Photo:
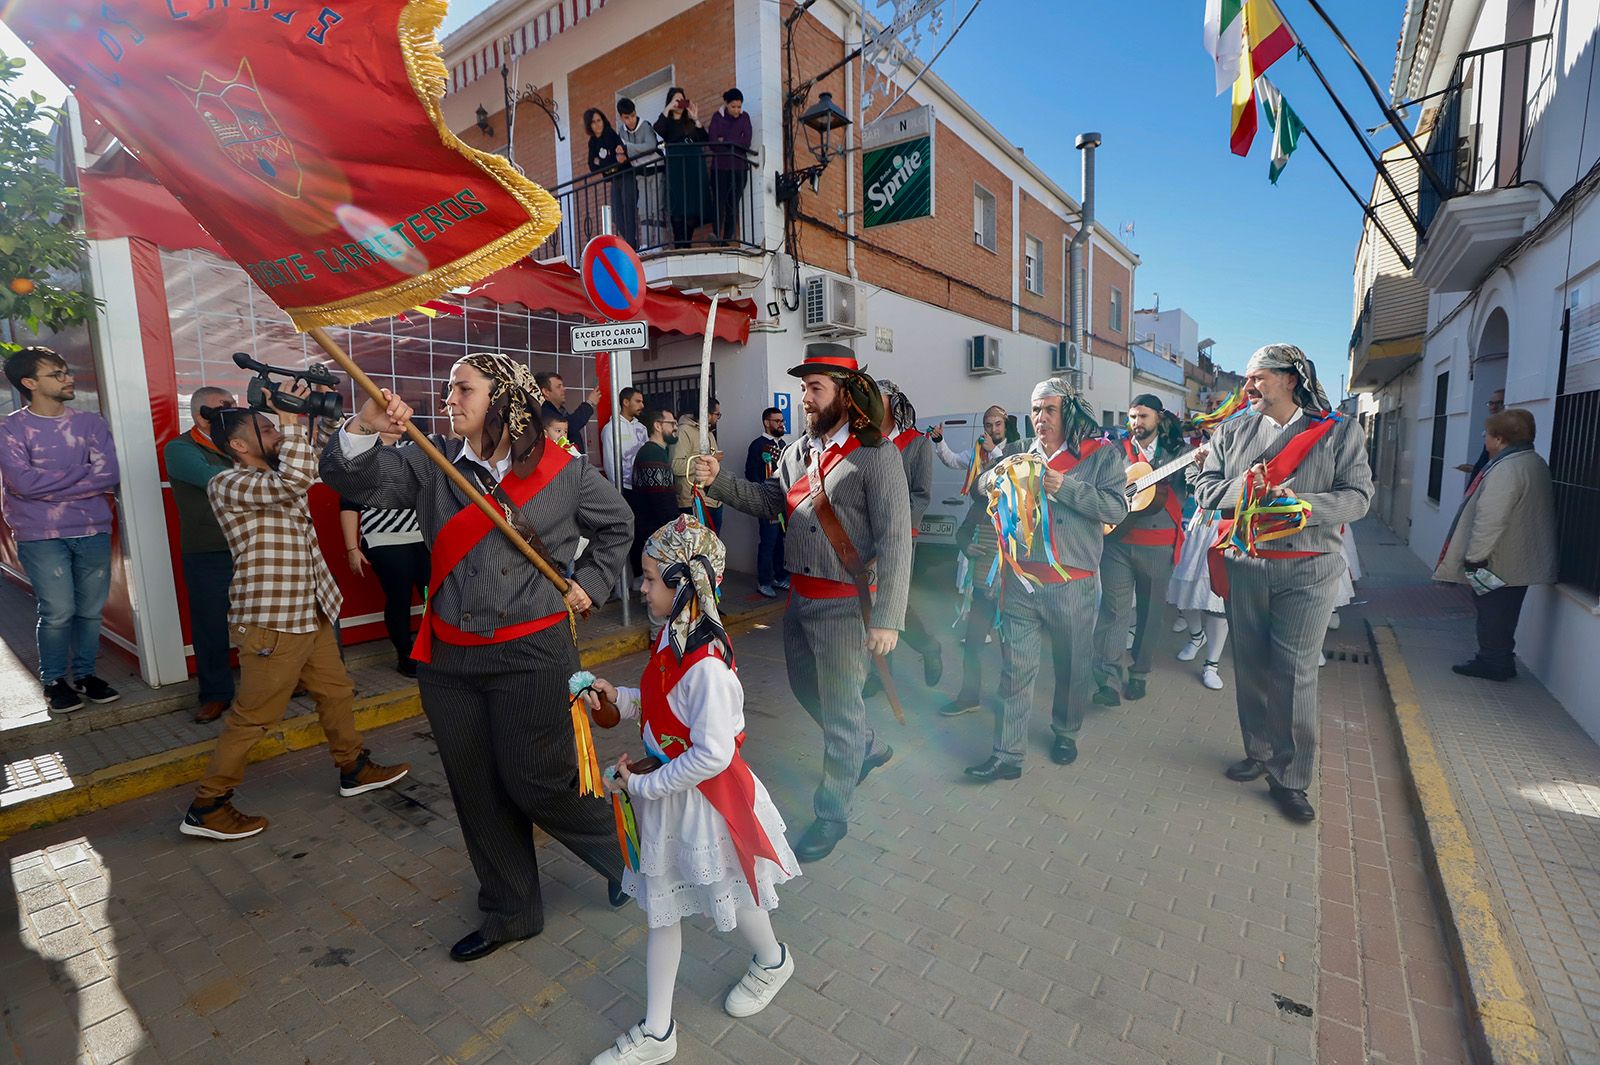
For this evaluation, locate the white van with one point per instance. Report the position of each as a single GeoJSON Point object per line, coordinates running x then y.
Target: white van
{"type": "Point", "coordinates": [948, 508]}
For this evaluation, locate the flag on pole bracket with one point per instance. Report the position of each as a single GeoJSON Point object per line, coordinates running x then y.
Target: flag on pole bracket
{"type": "Point", "coordinates": [1244, 38]}
{"type": "Point", "coordinates": [1286, 126]}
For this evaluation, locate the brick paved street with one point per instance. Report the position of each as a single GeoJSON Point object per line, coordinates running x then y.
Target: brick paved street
{"type": "Point", "coordinates": [1135, 907]}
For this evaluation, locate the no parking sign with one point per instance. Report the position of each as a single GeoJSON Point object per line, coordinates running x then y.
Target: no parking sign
{"type": "Point", "coordinates": [613, 278]}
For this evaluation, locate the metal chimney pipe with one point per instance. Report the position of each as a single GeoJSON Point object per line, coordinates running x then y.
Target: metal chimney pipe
{"type": "Point", "coordinates": [1078, 249]}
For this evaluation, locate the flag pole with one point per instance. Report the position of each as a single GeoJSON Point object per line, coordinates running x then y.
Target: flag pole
{"type": "Point", "coordinates": [467, 488]}
{"type": "Point", "coordinates": [1366, 208]}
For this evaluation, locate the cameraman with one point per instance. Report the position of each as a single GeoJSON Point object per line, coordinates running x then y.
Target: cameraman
{"type": "Point", "coordinates": [284, 635]}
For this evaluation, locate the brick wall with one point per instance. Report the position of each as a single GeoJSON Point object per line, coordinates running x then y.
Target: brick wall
{"type": "Point", "coordinates": [536, 137]}
{"type": "Point", "coordinates": [1108, 273]}
{"type": "Point", "coordinates": [1038, 220]}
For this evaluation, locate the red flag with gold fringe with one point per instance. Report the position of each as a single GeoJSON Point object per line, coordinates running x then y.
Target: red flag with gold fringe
{"type": "Point", "coordinates": [308, 141]}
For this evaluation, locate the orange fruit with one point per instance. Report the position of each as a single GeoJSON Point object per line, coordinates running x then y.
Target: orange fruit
{"type": "Point", "coordinates": [21, 286]}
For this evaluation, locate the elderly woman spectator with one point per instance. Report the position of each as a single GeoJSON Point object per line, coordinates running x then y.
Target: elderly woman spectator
{"type": "Point", "coordinates": [1503, 539]}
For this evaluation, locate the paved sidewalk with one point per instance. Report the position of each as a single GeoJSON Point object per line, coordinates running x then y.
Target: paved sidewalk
{"type": "Point", "coordinates": [1135, 907]}
{"type": "Point", "coordinates": [1524, 776]}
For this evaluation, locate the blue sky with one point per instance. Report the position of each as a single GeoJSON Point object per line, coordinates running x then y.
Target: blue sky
{"type": "Point", "coordinates": [1252, 263]}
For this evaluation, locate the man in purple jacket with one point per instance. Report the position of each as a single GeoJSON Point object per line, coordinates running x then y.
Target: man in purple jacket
{"type": "Point", "coordinates": [59, 469]}
{"type": "Point", "coordinates": [729, 133]}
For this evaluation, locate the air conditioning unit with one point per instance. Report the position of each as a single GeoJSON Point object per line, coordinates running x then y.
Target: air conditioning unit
{"type": "Point", "coordinates": [983, 356]}
{"type": "Point", "coordinates": [1064, 357]}
{"type": "Point", "coordinates": [830, 304]}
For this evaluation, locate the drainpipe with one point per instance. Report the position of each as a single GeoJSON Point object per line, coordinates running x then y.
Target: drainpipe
{"type": "Point", "coordinates": [854, 104]}
{"type": "Point", "coordinates": [1077, 251]}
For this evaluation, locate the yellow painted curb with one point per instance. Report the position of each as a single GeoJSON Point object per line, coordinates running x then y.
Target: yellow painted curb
{"type": "Point", "coordinates": [157, 772]}
{"type": "Point", "coordinates": [1502, 1011]}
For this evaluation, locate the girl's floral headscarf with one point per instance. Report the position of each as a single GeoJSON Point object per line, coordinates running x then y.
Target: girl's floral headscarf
{"type": "Point", "coordinates": [691, 560]}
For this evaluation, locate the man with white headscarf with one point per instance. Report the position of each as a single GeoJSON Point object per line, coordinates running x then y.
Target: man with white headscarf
{"type": "Point", "coordinates": [1309, 464]}
{"type": "Point", "coordinates": [1049, 587]}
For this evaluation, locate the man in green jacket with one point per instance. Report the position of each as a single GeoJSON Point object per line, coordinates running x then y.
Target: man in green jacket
{"type": "Point", "coordinates": [192, 460]}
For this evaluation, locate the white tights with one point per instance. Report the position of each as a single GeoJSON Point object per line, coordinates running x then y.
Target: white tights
{"type": "Point", "coordinates": [1215, 628]}
{"type": "Point", "coordinates": [664, 949]}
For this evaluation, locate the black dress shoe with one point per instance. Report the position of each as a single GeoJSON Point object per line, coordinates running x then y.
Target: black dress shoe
{"type": "Point", "coordinates": [818, 840]}
{"type": "Point", "coordinates": [615, 894]}
{"type": "Point", "coordinates": [1245, 769]}
{"type": "Point", "coordinates": [933, 665]}
{"type": "Point", "coordinates": [473, 946]}
{"type": "Point", "coordinates": [1134, 689]}
{"type": "Point", "coordinates": [1293, 803]}
{"type": "Point", "coordinates": [1105, 695]}
{"type": "Point", "coordinates": [873, 761]}
{"type": "Point", "coordinates": [1477, 667]}
{"type": "Point", "coordinates": [993, 769]}
{"type": "Point", "coordinates": [1064, 751]}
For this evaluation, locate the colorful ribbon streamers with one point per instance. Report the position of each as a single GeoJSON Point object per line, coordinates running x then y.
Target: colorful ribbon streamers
{"type": "Point", "coordinates": [1230, 407]}
{"type": "Point", "coordinates": [627, 829]}
{"type": "Point", "coordinates": [583, 741]}
{"type": "Point", "coordinates": [1261, 520]}
{"type": "Point", "coordinates": [1019, 507]}
{"type": "Point", "coordinates": [976, 469]}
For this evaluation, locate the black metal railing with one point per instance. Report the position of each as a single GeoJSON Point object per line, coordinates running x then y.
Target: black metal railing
{"type": "Point", "coordinates": [684, 197]}
{"type": "Point", "coordinates": [674, 390]}
{"type": "Point", "coordinates": [1481, 134]}
{"type": "Point", "coordinates": [1575, 471]}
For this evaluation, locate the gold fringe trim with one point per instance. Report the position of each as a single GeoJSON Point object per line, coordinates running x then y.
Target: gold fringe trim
{"type": "Point", "coordinates": [419, 21]}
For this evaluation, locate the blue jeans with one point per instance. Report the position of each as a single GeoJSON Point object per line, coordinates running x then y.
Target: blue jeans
{"type": "Point", "coordinates": [207, 575]}
{"type": "Point", "coordinates": [71, 577]}
{"type": "Point", "coordinates": [769, 554]}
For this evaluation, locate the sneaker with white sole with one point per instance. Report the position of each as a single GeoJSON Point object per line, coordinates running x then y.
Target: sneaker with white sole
{"type": "Point", "coordinates": [365, 775]}
{"type": "Point", "coordinates": [758, 986]}
{"type": "Point", "coordinates": [638, 1047]}
{"type": "Point", "coordinates": [61, 697]}
{"type": "Point", "coordinates": [1210, 677]}
{"type": "Point", "coordinates": [219, 820]}
{"type": "Point", "coordinates": [1197, 640]}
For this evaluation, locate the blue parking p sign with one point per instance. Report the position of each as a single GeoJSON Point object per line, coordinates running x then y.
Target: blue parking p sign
{"type": "Point", "coordinates": [781, 401]}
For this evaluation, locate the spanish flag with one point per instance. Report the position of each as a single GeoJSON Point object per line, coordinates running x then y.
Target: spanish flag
{"type": "Point", "coordinates": [1245, 37]}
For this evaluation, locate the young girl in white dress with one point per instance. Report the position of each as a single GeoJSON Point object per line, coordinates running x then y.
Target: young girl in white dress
{"type": "Point", "coordinates": [1200, 610]}
{"type": "Point", "coordinates": [710, 841]}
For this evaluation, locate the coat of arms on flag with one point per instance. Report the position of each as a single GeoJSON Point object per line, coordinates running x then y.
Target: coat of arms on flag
{"type": "Point", "coordinates": [242, 123]}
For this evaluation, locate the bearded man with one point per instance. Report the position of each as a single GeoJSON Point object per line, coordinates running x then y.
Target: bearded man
{"type": "Point", "coordinates": [839, 475]}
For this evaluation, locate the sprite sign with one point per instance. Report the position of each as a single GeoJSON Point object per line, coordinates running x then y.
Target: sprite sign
{"type": "Point", "coordinates": [897, 168]}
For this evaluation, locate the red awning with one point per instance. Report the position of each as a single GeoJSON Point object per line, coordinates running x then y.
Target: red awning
{"type": "Point", "coordinates": [122, 203]}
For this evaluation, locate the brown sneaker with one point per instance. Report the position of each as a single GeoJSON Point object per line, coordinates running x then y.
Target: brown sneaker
{"type": "Point", "coordinates": [219, 820]}
{"type": "Point", "coordinates": [209, 712]}
{"type": "Point", "coordinates": [366, 775]}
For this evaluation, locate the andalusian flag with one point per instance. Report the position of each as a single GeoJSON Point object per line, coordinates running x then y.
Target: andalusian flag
{"type": "Point", "coordinates": [1244, 37]}
{"type": "Point", "coordinates": [1286, 126]}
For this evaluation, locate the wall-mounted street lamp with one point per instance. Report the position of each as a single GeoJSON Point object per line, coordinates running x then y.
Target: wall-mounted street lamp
{"type": "Point", "coordinates": [483, 122]}
{"type": "Point", "coordinates": [824, 123]}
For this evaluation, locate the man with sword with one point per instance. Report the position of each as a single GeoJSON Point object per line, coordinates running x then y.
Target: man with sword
{"type": "Point", "coordinates": [848, 551]}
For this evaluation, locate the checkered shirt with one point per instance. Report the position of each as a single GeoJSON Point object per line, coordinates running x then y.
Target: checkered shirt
{"type": "Point", "coordinates": [280, 578]}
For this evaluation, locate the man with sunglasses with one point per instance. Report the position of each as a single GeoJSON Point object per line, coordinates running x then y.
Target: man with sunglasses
{"type": "Point", "coordinates": [59, 469]}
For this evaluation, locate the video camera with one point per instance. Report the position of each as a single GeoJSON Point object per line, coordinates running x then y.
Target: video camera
{"type": "Point", "coordinates": [316, 405]}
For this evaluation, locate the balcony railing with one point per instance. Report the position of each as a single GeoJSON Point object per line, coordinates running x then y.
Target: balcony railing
{"type": "Point", "coordinates": [686, 197]}
{"type": "Point", "coordinates": [1482, 131]}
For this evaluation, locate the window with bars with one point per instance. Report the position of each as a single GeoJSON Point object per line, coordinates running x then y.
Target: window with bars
{"type": "Point", "coordinates": [1436, 466]}
{"type": "Point", "coordinates": [1575, 474]}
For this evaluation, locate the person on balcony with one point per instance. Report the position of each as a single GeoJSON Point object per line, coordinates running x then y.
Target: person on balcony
{"type": "Point", "coordinates": [730, 133]}
{"type": "Point", "coordinates": [681, 132]}
{"type": "Point", "coordinates": [608, 157]}
{"type": "Point", "coordinates": [643, 145]}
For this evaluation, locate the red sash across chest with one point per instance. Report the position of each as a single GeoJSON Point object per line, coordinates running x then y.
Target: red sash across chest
{"type": "Point", "coordinates": [457, 538]}
{"type": "Point", "coordinates": [903, 440]}
{"type": "Point", "coordinates": [732, 792]}
{"type": "Point", "coordinates": [808, 587]}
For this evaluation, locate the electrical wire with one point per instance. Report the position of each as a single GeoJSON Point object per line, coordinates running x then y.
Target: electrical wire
{"type": "Point", "coordinates": [929, 64]}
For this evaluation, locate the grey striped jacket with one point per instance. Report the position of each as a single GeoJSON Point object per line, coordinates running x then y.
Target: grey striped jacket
{"type": "Point", "coordinates": [868, 491]}
{"type": "Point", "coordinates": [1334, 476]}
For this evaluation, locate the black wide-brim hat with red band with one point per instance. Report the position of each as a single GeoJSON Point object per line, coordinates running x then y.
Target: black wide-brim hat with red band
{"type": "Point", "coordinates": [828, 358]}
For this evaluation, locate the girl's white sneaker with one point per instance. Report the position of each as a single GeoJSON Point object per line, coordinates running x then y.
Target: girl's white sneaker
{"type": "Point", "coordinates": [758, 986]}
{"type": "Point", "coordinates": [638, 1047]}
{"type": "Point", "coordinates": [1210, 677]}
{"type": "Point", "coordinates": [1197, 640]}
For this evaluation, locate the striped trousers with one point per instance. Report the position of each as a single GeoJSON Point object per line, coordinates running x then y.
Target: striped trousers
{"type": "Point", "coordinates": [1133, 586]}
{"type": "Point", "coordinates": [1064, 612]}
{"type": "Point", "coordinates": [825, 650]}
{"type": "Point", "coordinates": [1278, 611]}
{"type": "Point", "coordinates": [499, 715]}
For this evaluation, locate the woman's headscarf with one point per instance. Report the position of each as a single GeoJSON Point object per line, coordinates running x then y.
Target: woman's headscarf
{"type": "Point", "coordinates": [515, 404]}
{"type": "Point", "coordinates": [1308, 391]}
{"type": "Point", "coordinates": [692, 561]}
{"type": "Point", "coordinates": [899, 407]}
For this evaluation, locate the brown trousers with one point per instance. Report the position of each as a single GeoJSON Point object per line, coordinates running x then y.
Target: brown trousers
{"type": "Point", "coordinates": [271, 663]}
